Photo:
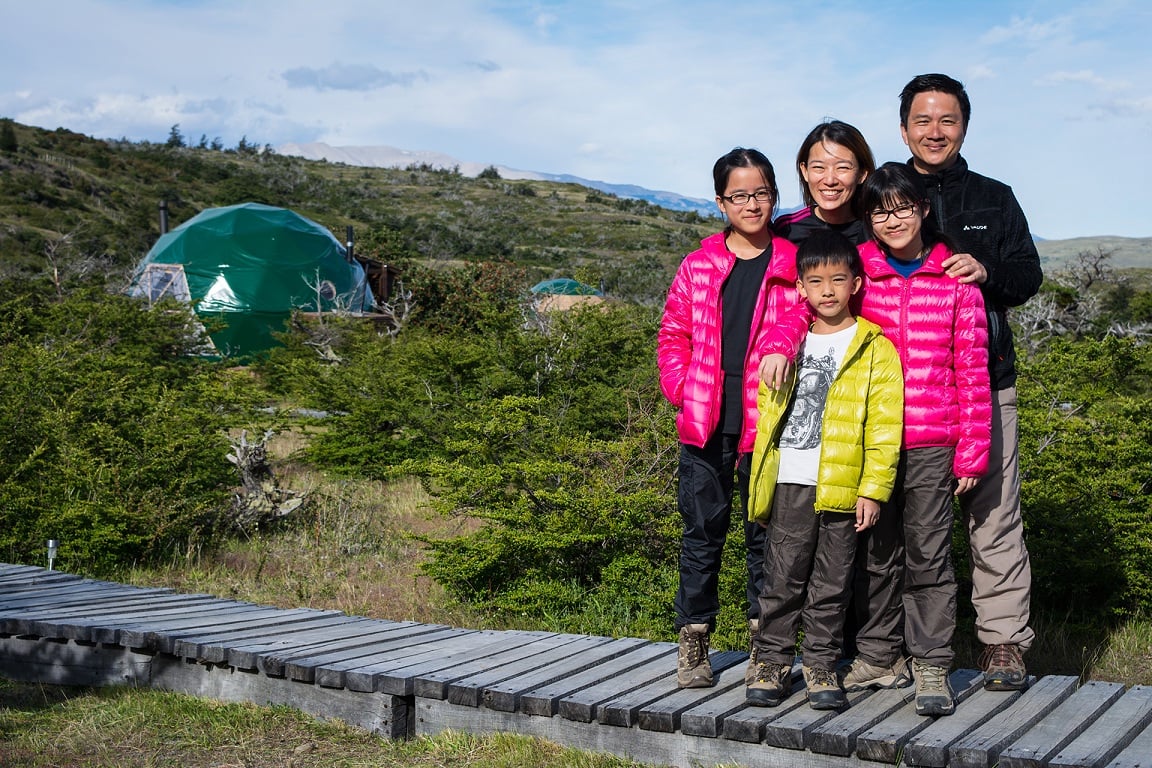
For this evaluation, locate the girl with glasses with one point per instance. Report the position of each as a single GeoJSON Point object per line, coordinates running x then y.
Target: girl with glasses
{"type": "Point", "coordinates": [722, 300]}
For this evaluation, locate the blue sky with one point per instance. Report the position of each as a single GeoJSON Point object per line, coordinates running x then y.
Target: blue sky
{"type": "Point", "coordinates": [647, 93]}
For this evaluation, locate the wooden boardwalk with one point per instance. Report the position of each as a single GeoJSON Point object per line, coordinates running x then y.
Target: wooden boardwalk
{"type": "Point", "coordinates": [400, 679]}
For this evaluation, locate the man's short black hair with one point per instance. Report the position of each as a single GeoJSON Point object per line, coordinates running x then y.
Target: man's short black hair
{"type": "Point", "coordinates": [934, 82]}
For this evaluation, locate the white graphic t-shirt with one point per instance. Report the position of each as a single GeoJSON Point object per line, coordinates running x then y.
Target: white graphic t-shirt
{"type": "Point", "coordinates": [819, 359]}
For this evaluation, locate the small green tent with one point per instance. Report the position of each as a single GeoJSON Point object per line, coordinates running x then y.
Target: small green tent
{"type": "Point", "coordinates": [250, 266]}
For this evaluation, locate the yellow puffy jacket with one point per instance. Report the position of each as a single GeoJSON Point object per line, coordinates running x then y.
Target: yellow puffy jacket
{"type": "Point", "coordinates": [859, 437]}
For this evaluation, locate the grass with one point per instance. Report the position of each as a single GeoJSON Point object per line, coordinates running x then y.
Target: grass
{"type": "Point", "coordinates": [126, 728]}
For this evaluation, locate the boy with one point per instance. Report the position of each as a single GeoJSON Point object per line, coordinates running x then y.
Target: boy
{"type": "Point", "coordinates": [825, 457]}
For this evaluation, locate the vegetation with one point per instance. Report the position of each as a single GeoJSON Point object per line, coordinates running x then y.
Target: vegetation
{"type": "Point", "coordinates": [484, 463]}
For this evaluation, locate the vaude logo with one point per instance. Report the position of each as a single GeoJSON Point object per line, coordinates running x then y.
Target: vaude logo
{"type": "Point", "coordinates": [975, 226]}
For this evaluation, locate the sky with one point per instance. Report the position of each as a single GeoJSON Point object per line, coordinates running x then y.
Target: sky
{"type": "Point", "coordinates": [622, 91]}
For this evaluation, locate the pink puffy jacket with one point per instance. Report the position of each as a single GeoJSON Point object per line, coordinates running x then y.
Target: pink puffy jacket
{"type": "Point", "coordinates": [940, 331]}
{"type": "Point", "coordinates": [688, 344]}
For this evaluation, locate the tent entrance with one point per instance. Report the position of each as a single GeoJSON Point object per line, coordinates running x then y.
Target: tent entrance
{"type": "Point", "coordinates": [159, 281]}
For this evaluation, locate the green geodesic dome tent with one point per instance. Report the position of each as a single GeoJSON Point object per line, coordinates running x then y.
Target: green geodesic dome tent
{"type": "Point", "coordinates": [249, 266]}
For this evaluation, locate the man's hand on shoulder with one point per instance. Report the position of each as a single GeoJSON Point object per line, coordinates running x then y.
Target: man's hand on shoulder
{"type": "Point", "coordinates": [965, 268]}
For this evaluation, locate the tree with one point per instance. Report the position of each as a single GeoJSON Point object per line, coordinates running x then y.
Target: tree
{"type": "Point", "coordinates": [175, 138]}
{"type": "Point", "coordinates": [7, 136]}
{"type": "Point", "coordinates": [489, 173]}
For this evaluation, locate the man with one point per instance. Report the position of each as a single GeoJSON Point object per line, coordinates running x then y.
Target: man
{"type": "Point", "coordinates": [995, 250]}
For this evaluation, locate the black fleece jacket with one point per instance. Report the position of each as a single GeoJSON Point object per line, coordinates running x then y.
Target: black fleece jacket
{"type": "Point", "coordinates": [982, 217]}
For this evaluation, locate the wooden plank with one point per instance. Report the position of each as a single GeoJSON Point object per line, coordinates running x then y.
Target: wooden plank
{"type": "Point", "coordinates": [838, 736]}
{"type": "Point", "coordinates": [1061, 726]}
{"type": "Point", "coordinates": [707, 718]}
{"type": "Point", "coordinates": [395, 672]}
{"type": "Point", "coordinates": [664, 714]}
{"type": "Point", "coordinates": [68, 595]}
{"type": "Point", "coordinates": [263, 653]}
{"type": "Point", "coordinates": [1137, 754]}
{"type": "Point", "coordinates": [885, 741]}
{"type": "Point", "coordinates": [162, 635]}
{"type": "Point", "coordinates": [581, 705]}
{"type": "Point", "coordinates": [84, 624]}
{"type": "Point", "coordinates": [303, 666]}
{"type": "Point", "coordinates": [545, 701]}
{"type": "Point", "coordinates": [623, 711]}
{"type": "Point", "coordinates": [433, 684]}
{"type": "Point", "coordinates": [930, 746]}
{"type": "Point", "coordinates": [66, 663]}
{"type": "Point", "coordinates": [981, 747]}
{"type": "Point", "coordinates": [650, 747]}
{"type": "Point", "coordinates": [791, 730]}
{"type": "Point", "coordinates": [1110, 733]}
{"type": "Point", "coordinates": [747, 724]}
{"type": "Point", "coordinates": [505, 695]}
{"type": "Point", "coordinates": [212, 648]}
{"type": "Point", "coordinates": [387, 716]}
{"type": "Point", "coordinates": [470, 690]}
{"type": "Point", "coordinates": [247, 654]}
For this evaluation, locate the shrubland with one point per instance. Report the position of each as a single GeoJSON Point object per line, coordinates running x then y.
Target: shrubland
{"type": "Point", "coordinates": [538, 439]}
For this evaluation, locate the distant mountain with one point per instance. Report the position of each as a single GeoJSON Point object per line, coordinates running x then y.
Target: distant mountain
{"type": "Point", "coordinates": [1126, 251]}
{"type": "Point", "coordinates": [391, 157]}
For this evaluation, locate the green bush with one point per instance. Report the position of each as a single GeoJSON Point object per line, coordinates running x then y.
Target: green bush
{"type": "Point", "coordinates": [1086, 466]}
{"type": "Point", "coordinates": [111, 434]}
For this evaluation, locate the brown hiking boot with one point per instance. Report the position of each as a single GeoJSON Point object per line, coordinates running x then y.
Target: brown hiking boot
{"type": "Point", "coordinates": [861, 674]}
{"type": "Point", "coordinates": [769, 684]}
{"type": "Point", "coordinates": [693, 669]}
{"type": "Point", "coordinates": [824, 691]}
{"type": "Point", "coordinates": [1003, 667]}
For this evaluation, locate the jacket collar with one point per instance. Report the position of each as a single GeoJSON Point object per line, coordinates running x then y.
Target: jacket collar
{"type": "Point", "coordinates": [876, 260]}
{"type": "Point", "coordinates": [947, 177]}
{"type": "Point", "coordinates": [781, 264]}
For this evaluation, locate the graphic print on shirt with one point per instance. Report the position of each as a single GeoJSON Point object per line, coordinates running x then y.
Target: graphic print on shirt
{"type": "Point", "coordinates": [805, 415]}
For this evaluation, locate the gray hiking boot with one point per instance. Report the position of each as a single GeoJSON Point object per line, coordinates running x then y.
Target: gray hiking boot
{"type": "Point", "coordinates": [769, 684]}
{"type": "Point", "coordinates": [861, 674]}
{"type": "Point", "coordinates": [693, 669]}
{"type": "Point", "coordinates": [824, 691]}
{"type": "Point", "coordinates": [933, 693]}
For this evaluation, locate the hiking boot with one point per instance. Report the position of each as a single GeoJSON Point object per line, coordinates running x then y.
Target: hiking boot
{"type": "Point", "coordinates": [933, 694]}
{"type": "Point", "coordinates": [1003, 667]}
{"type": "Point", "coordinates": [861, 674]}
{"type": "Point", "coordinates": [823, 690]}
{"type": "Point", "coordinates": [750, 672]}
{"type": "Point", "coordinates": [769, 684]}
{"type": "Point", "coordinates": [693, 669]}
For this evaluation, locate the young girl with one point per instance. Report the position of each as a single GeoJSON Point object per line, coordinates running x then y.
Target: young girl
{"type": "Point", "coordinates": [721, 301]}
{"type": "Point", "coordinates": [834, 159]}
{"type": "Point", "coordinates": [939, 329]}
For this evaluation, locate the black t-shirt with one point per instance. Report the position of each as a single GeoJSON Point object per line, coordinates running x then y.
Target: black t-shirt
{"type": "Point", "coordinates": [795, 227]}
{"type": "Point", "coordinates": [737, 303]}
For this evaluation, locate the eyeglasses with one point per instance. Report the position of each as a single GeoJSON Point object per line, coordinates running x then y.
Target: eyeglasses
{"type": "Point", "coordinates": [906, 211]}
{"type": "Point", "coordinates": [742, 198]}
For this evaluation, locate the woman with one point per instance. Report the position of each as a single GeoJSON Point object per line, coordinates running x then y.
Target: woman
{"type": "Point", "coordinates": [832, 163]}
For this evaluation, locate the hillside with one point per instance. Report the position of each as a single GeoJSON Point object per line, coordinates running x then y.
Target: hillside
{"type": "Point", "coordinates": [81, 205]}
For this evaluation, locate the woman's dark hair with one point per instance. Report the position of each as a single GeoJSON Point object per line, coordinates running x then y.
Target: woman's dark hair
{"type": "Point", "coordinates": [891, 185]}
{"type": "Point", "coordinates": [745, 158]}
{"type": "Point", "coordinates": [847, 136]}
{"type": "Point", "coordinates": [934, 82]}
{"type": "Point", "coordinates": [827, 247]}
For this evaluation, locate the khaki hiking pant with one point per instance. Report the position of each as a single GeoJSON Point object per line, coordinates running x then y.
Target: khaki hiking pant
{"type": "Point", "coordinates": [1001, 571]}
